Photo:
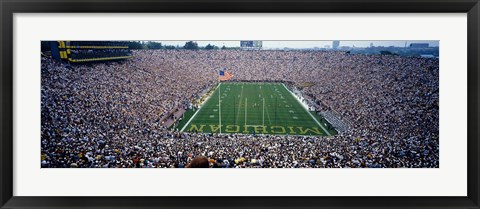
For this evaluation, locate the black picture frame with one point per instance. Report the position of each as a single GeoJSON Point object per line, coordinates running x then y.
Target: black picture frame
{"type": "Point", "coordinates": [9, 7]}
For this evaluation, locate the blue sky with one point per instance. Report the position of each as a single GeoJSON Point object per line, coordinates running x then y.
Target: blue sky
{"type": "Point", "coordinates": [305, 44]}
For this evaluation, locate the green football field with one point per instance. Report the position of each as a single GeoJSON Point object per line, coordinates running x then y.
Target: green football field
{"type": "Point", "coordinates": [255, 108]}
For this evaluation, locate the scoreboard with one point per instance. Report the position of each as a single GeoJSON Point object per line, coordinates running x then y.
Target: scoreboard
{"type": "Point", "coordinates": [251, 44]}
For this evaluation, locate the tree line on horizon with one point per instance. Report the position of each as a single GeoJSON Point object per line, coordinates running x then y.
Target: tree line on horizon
{"type": "Point", "coordinates": [192, 45]}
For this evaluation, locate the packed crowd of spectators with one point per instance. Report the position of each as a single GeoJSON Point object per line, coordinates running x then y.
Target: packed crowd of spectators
{"type": "Point", "coordinates": [98, 43]}
{"type": "Point", "coordinates": [98, 53]}
{"type": "Point", "coordinates": [110, 114]}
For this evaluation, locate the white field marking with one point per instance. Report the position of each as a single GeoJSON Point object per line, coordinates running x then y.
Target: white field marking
{"type": "Point", "coordinates": [239, 104]}
{"type": "Point", "coordinates": [215, 110]}
{"type": "Point", "coordinates": [193, 116]}
{"type": "Point", "coordinates": [212, 116]}
{"type": "Point", "coordinates": [306, 109]}
{"type": "Point", "coordinates": [295, 117]}
{"type": "Point", "coordinates": [268, 114]}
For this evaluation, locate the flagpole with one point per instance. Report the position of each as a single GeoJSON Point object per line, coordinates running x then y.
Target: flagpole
{"type": "Point", "coordinates": [219, 108]}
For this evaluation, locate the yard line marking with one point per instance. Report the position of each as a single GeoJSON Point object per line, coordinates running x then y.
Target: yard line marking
{"type": "Point", "coordinates": [239, 105]}
{"type": "Point", "coordinates": [268, 114]}
{"type": "Point", "coordinates": [321, 126]}
{"type": "Point", "coordinates": [193, 116]}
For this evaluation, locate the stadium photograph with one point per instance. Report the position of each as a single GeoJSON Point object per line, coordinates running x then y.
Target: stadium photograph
{"type": "Point", "coordinates": [240, 104]}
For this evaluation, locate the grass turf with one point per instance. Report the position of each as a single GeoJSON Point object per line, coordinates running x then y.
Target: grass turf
{"type": "Point", "coordinates": [255, 108]}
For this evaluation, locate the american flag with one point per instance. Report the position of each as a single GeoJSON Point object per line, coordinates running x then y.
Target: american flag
{"type": "Point", "coordinates": [224, 76]}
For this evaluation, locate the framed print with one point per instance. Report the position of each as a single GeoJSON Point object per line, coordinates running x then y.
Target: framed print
{"type": "Point", "coordinates": [349, 104]}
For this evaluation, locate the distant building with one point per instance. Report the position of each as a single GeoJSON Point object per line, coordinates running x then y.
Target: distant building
{"type": "Point", "coordinates": [419, 45]}
{"type": "Point", "coordinates": [335, 44]}
{"type": "Point", "coordinates": [428, 56]}
{"type": "Point", "coordinates": [251, 44]}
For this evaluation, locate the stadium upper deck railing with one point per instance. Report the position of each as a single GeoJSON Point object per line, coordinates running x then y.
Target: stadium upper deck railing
{"type": "Point", "coordinates": [98, 59]}
{"type": "Point", "coordinates": [96, 47]}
